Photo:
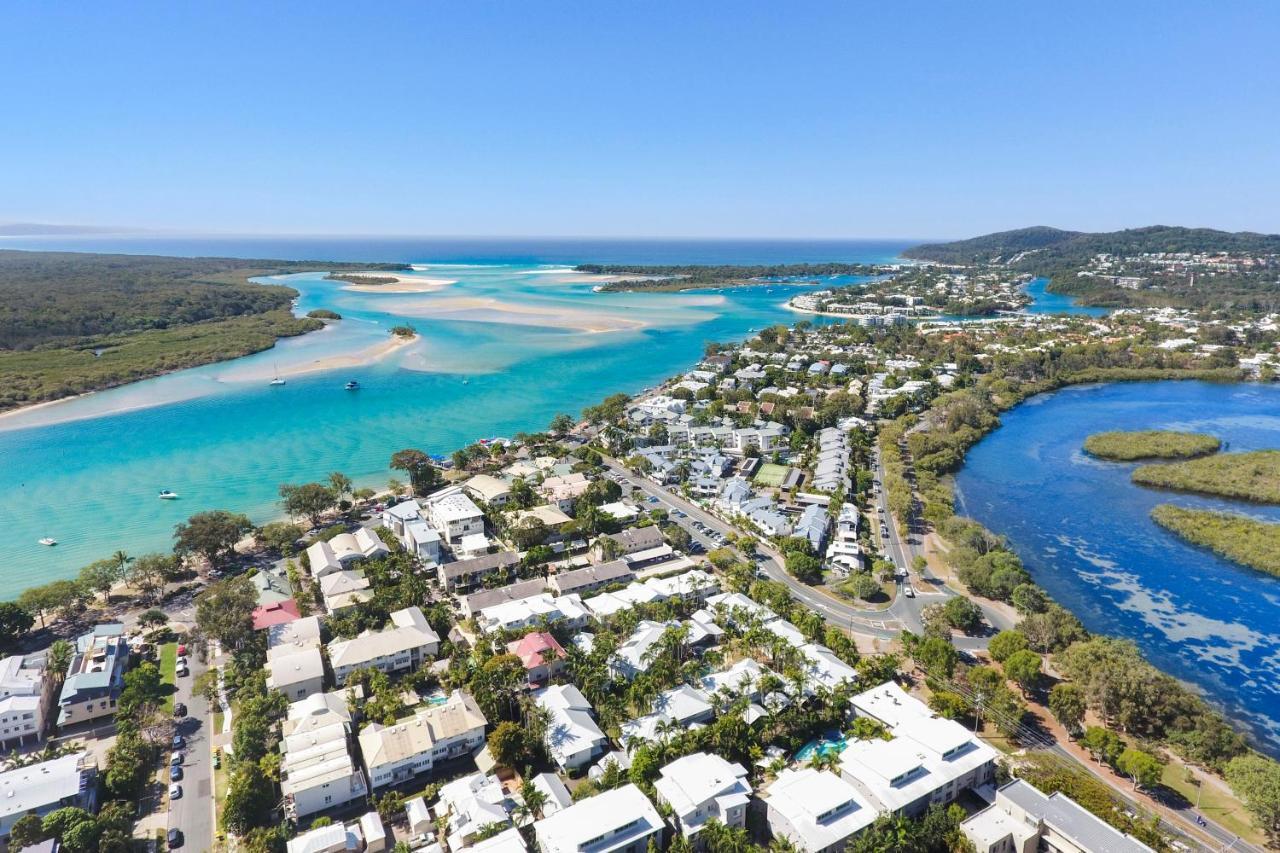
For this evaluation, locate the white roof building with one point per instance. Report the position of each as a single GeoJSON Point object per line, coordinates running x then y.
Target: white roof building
{"type": "Point", "coordinates": [470, 804]}
{"type": "Point", "coordinates": [507, 841]}
{"type": "Point", "coordinates": [572, 737]}
{"type": "Point", "coordinates": [297, 674]}
{"type": "Point", "coordinates": [1023, 818]}
{"type": "Point", "coordinates": [48, 785]}
{"type": "Point", "coordinates": [343, 550]}
{"type": "Point", "coordinates": [23, 701]}
{"type": "Point", "coordinates": [437, 733]}
{"type": "Point", "coordinates": [529, 612]}
{"type": "Point", "coordinates": [405, 645]}
{"type": "Point", "coordinates": [288, 637]}
{"type": "Point", "coordinates": [316, 772]}
{"type": "Point", "coordinates": [817, 811]}
{"type": "Point", "coordinates": [702, 787]}
{"type": "Point", "coordinates": [611, 822]}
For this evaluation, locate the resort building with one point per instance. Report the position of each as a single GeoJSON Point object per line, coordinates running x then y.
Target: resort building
{"type": "Point", "coordinates": [507, 841]}
{"type": "Point", "coordinates": [703, 787]}
{"type": "Point", "coordinates": [404, 646]}
{"type": "Point", "coordinates": [618, 821]}
{"type": "Point", "coordinates": [95, 676]}
{"type": "Point", "coordinates": [343, 590]}
{"type": "Point", "coordinates": [454, 515]}
{"type": "Point", "coordinates": [929, 760]}
{"type": "Point", "coordinates": [338, 838]}
{"type": "Point", "coordinates": [817, 811]}
{"type": "Point", "coordinates": [469, 574]}
{"type": "Point", "coordinates": [573, 739]}
{"type": "Point", "coordinates": [1023, 820]}
{"type": "Point", "coordinates": [343, 551]}
{"type": "Point", "coordinates": [41, 788]}
{"type": "Point", "coordinates": [24, 700]}
{"type": "Point", "coordinates": [542, 656]}
{"type": "Point", "coordinates": [315, 712]}
{"type": "Point", "coordinates": [436, 734]}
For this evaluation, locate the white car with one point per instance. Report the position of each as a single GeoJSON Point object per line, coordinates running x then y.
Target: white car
{"type": "Point", "coordinates": [175, 759]}
{"type": "Point", "coordinates": [175, 792]}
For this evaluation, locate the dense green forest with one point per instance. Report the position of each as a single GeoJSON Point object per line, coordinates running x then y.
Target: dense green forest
{"type": "Point", "coordinates": [1078, 246]}
{"type": "Point", "coordinates": [1061, 255]}
{"type": "Point", "coordinates": [689, 276]}
{"type": "Point", "coordinates": [74, 322]}
{"type": "Point", "coordinates": [61, 297]}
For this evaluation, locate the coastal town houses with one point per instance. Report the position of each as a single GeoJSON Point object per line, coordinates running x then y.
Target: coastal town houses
{"type": "Point", "coordinates": [630, 541]}
{"type": "Point", "coordinates": [365, 834]}
{"type": "Point", "coordinates": [25, 693]}
{"type": "Point", "coordinates": [414, 747]}
{"type": "Point", "coordinates": [590, 578]}
{"type": "Point", "coordinates": [317, 772]}
{"type": "Point", "coordinates": [44, 787]}
{"type": "Point", "coordinates": [563, 492]}
{"type": "Point", "coordinates": [471, 805]}
{"type": "Point", "coordinates": [1024, 820]}
{"type": "Point", "coordinates": [532, 612]}
{"type": "Point", "coordinates": [475, 602]}
{"type": "Point", "coordinates": [488, 490]}
{"type": "Point", "coordinates": [572, 737]}
{"type": "Point", "coordinates": [618, 821]}
{"type": "Point", "coordinates": [816, 810]}
{"type": "Point", "coordinates": [463, 575]}
{"type": "Point", "coordinates": [403, 646]}
{"type": "Point", "coordinates": [343, 551]}
{"type": "Point", "coordinates": [454, 515]}
{"type": "Point", "coordinates": [702, 787]}
{"type": "Point", "coordinates": [95, 676]}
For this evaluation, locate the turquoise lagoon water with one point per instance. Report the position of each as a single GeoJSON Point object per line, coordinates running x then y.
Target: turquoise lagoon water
{"type": "Point", "coordinates": [517, 339]}
{"type": "Point", "coordinates": [1085, 533]}
{"type": "Point", "coordinates": [1045, 302]}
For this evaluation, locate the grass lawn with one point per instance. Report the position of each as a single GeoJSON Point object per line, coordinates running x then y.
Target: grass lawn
{"type": "Point", "coordinates": [771, 475]}
{"type": "Point", "coordinates": [168, 672]}
{"type": "Point", "coordinates": [1215, 804]}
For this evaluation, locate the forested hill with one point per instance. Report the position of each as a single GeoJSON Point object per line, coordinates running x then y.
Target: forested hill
{"type": "Point", "coordinates": [58, 297]}
{"type": "Point", "coordinates": [1053, 245]}
{"type": "Point", "coordinates": [72, 322]}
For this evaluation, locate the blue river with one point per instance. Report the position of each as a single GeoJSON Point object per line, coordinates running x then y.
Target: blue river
{"type": "Point", "coordinates": [1084, 531]}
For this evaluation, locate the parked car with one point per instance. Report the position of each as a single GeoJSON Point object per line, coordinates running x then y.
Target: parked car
{"type": "Point", "coordinates": [179, 710]}
{"type": "Point", "coordinates": [175, 792]}
{"type": "Point", "coordinates": [175, 839]}
{"type": "Point", "coordinates": [175, 758]}
{"type": "Point", "coordinates": [175, 773]}
{"type": "Point", "coordinates": [179, 742]}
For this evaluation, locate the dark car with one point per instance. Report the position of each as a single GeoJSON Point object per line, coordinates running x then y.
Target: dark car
{"type": "Point", "coordinates": [175, 773]}
{"type": "Point", "coordinates": [175, 838]}
{"type": "Point", "coordinates": [179, 741]}
{"type": "Point", "coordinates": [179, 710]}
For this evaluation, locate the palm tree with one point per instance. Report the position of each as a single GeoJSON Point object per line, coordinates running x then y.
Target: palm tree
{"type": "Point", "coordinates": [533, 800]}
{"type": "Point", "coordinates": [121, 559]}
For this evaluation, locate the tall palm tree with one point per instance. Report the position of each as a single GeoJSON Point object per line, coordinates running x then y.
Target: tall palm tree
{"type": "Point", "coordinates": [121, 559]}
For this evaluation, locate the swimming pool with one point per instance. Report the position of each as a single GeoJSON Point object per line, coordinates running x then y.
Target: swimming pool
{"type": "Point", "coordinates": [831, 744]}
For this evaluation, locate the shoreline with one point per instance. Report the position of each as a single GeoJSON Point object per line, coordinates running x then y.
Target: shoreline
{"type": "Point", "coordinates": [402, 284]}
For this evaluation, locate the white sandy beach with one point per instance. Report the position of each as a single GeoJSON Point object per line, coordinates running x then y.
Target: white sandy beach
{"type": "Point", "coordinates": [490, 310]}
{"type": "Point", "coordinates": [358, 358]}
{"type": "Point", "coordinates": [403, 283]}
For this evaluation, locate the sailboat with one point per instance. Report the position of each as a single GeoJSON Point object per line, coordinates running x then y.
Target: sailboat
{"type": "Point", "coordinates": [277, 380]}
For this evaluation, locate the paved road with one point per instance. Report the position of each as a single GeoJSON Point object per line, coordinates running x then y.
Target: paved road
{"type": "Point", "coordinates": [193, 812]}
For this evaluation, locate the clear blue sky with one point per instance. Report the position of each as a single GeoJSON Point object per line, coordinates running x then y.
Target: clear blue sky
{"type": "Point", "coordinates": [641, 119]}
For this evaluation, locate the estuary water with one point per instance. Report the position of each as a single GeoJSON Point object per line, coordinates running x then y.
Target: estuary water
{"type": "Point", "coordinates": [1084, 531]}
{"type": "Point", "coordinates": [508, 337]}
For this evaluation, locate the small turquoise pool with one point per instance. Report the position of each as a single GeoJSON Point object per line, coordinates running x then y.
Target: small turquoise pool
{"type": "Point", "coordinates": [822, 746]}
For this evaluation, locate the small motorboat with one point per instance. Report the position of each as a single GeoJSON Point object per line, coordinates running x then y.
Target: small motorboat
{"type": "Point", "coordinates": [49, 540]}
{"type": "Point", "coordinates": [166, 495]}
{"type": "Point", "coordinates": [352, 385]}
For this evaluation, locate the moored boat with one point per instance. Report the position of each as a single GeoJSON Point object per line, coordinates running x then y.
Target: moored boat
{"type": "Point", "coordinates": [48, 540]}
{"type": "Point", "coordinates": [166, 495]}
